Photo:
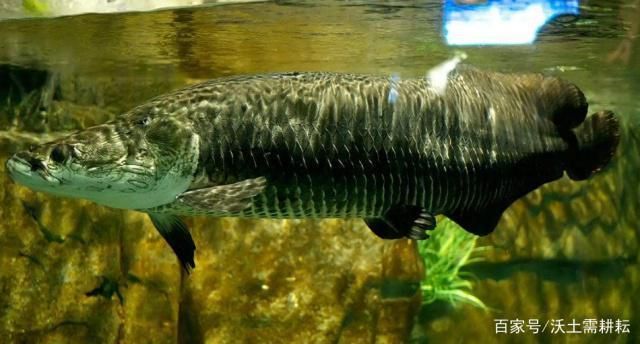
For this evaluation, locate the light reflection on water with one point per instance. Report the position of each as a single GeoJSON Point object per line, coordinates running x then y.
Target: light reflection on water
{"type": "Point", "coordinates": [208, 42]}
{"type": "Point", "coordinates": [498, 22]}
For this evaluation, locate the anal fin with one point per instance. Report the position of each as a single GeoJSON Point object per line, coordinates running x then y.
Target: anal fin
{"type": "Point", "coordinates": [403, 221]}
{"type": "Point", "coordinates": [177, 235]}
{"type": "Point", "coordinates": [479, 222]}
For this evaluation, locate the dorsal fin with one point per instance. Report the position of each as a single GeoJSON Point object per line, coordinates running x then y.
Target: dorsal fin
{"type": "Point", "coordinates": [570, 106]}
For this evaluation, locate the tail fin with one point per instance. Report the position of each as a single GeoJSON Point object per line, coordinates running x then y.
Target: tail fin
{"type": "Point", "coordinates": [592, 145]}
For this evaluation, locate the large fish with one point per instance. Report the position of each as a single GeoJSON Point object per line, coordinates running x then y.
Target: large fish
{"type": "Point", "coordinates": [327, 145]}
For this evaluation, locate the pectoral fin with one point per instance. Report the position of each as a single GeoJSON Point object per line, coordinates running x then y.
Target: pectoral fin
{"type": "Point", "coordinates": [221, 198]}
{"type": "Point", "coordinates": [177, 235]}
{"type": "Point", "coordinates": [402, 221]}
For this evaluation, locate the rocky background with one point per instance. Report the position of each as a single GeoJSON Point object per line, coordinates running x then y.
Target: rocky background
{"type": "Point", "coordinates": [74, 272]}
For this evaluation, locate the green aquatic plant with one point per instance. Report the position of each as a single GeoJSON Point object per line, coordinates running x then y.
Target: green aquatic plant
{"type": "Point", "coordinates": [448, 250]}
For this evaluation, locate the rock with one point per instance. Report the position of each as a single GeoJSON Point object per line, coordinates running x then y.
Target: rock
{"type": "Point", "coordinates": [600, 292]}
{"type": "Point", "coordinates": [297, 280]}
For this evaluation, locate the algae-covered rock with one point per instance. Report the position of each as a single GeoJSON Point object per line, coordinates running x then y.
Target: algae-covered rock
{"type": "Point", "coordinates": [295, 281]}
{"type": "Point", "coordinates": [526, 294]}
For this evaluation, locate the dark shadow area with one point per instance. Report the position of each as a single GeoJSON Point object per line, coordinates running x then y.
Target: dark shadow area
{"type": "Point", "coordinates": [25, 96]}
{"type": "Point", "coordinates": [393, 289]}
{"type": "Point", "coordinates": [18, 82]}
{"type": "Point", "coordinates": [189, 328]}
{"type": "Point", "coordinates": [556, 270]}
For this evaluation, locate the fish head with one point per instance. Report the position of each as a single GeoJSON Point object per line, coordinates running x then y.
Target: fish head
{"type": "Point", "coordinates": [136, 162]}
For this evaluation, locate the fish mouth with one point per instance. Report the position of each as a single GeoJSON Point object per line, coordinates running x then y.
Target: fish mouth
{"type": "Point", "coordinates": [17, 165]}
{"type": "Point", "coordinates": [23, 169]}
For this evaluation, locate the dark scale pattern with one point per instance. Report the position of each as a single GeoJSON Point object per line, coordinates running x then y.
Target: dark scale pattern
{"type": "Point", "coordinates": [337, 145]}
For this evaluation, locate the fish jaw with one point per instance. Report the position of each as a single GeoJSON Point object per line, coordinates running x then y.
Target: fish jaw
{"type": "Point", "coordinates": [23, 173]}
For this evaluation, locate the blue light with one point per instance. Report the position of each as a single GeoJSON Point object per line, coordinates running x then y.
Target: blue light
{"type": "Point", "coordinates": [500, 22]}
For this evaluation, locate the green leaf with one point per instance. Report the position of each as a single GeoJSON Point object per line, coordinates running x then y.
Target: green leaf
{"type": "Point", "coordinates": [448, 250]}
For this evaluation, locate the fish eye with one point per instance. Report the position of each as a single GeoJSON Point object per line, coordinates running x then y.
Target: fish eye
{"type": "Point", "coordinates": [60, 153]}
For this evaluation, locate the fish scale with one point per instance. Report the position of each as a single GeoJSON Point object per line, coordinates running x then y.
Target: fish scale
{"type": "Point", "coordinates": [309, 140]}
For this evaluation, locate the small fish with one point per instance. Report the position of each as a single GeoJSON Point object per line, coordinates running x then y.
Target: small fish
{"type": "Point", "coordinates": [327, 145]}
